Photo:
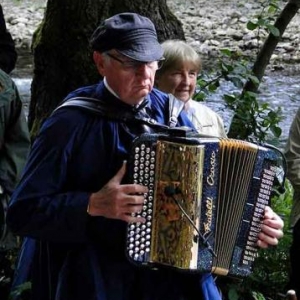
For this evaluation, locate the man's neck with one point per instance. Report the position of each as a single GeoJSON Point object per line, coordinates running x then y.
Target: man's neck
{"type": "Point", "coordinates": [110, 89]}
{"type": "Point", "coordinates": [114, 93]}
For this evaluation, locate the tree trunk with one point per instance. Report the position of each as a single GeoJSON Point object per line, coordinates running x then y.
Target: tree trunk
{"type": "Point", "coordinates": [62, 55]}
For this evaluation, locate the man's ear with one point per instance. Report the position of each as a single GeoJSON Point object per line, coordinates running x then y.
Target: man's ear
{"type": "Point", "coordinates": [99, 62]}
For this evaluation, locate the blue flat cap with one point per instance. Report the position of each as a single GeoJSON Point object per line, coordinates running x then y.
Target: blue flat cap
{"type": "Point", "coordinates": [130, 34]}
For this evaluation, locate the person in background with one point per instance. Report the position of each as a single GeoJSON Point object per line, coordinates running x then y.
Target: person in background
{"type": "Point", "coordinates": [8, 53]}
{"type": "Point", "coordinates": [14, 134]}
{"type": "Point", "coordinates": [14, 148]}
{"type": "Point", "coordinates": [178, 76]}
{"type": "Point", "coordinates": [292, 154]}
{"type": "Point", "coordinates": [74, 201]}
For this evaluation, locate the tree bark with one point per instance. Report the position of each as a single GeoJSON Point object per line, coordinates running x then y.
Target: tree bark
{"type": "Point", "coordinates": [62, 54]}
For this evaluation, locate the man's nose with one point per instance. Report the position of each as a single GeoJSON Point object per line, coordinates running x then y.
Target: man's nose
{"type": "Point", "coordinates": [143, 69]}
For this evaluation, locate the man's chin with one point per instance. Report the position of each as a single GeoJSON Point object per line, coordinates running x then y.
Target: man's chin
{"type": "Point", "coordinates": [136, 98]}
{"type": "Point", "coordinates": [143, 92]}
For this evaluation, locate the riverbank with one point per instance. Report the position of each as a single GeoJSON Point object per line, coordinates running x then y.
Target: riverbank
{"type": "Point", "coordinates": [212, 25]}
{"type": "Point", "coordinates": [208, 27]}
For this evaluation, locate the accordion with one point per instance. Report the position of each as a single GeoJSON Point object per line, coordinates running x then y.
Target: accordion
{"type": "Point", "coordinates": [205, 202]}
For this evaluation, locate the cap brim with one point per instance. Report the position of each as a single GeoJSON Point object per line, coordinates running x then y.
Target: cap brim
{"type": "Point", "coordinates": [143, 51]}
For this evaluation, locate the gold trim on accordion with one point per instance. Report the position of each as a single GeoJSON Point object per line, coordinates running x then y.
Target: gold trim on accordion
{"type": "Point", "coordinates": [205, 202]}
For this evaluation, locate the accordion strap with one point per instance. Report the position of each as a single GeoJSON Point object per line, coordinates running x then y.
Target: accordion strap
{"type": "Point", "coordinates": [102, 109]}
{"type": "Point", "coordinates": [175, 108]}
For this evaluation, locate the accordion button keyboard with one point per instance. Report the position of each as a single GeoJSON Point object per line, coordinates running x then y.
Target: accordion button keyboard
{"type": "Point", "coordinates": [139, 240]}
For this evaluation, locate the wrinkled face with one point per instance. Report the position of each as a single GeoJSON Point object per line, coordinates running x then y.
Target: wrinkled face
{"type": "Point", "coordinates": [179, 80]}
{"type": "Point", "coordinates": [131, 80]}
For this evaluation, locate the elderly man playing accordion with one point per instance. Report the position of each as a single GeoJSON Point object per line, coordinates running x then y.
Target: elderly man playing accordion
{"type": "Point", "coordinates": [74, 200]}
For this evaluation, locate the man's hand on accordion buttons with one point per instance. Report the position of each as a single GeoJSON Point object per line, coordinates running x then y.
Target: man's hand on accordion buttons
{"type": "Point", "coordinates": [271, 230]}
{"type": "Point", "coordinates": [118, 201]}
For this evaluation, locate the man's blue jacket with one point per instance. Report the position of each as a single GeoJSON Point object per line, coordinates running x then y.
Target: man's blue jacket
{"type": "Point", "coordinates": [66, 254]}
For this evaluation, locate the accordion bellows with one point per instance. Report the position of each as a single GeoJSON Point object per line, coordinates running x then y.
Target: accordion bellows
{"type": "Point", "coordinates": [205, 202]}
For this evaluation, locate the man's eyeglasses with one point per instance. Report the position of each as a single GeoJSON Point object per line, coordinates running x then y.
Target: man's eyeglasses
{"type": "Point", "coordinates": [134, 64]}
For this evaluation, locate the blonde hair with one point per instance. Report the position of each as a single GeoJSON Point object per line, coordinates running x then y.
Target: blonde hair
{"type": "Point", "coordinates": [176, 52]}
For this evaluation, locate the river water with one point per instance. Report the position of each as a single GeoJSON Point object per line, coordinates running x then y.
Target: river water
{"type": "Point", "coordinates": [280, 88]}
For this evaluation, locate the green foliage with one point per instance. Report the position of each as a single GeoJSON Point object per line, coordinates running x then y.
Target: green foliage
{"type": "Point", "coordinates": [21, 290]}
{"type": "Point", "coordinates": [253, 119]}
{"type": "Point", "coordinates": [265, 19]}
{"type": "Point", "coordinates": [7, 262]}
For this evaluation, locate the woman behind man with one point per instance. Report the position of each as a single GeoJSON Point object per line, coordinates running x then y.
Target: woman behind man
{"type": "Point", "coordinates": [178, 76]}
